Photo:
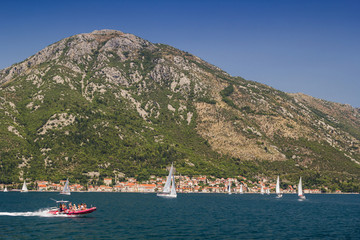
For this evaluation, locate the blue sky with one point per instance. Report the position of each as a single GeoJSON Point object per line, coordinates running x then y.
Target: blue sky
{"type": "Point", "coordinates": [294, 46]}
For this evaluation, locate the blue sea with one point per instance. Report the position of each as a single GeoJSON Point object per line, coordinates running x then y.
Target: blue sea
{"type": "Point", "coordinates": [190, 216]}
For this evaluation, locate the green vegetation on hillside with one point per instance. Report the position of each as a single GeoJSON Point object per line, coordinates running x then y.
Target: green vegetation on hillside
{"type": "Point", "coordinates": [129, 108]}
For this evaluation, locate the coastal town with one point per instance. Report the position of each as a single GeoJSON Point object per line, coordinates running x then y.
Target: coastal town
{"type": "Point", "coordinates": [184, 184]}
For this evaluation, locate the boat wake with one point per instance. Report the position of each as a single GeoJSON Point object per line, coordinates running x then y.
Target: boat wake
{"type": "Point", "coordinates": [39, 213]}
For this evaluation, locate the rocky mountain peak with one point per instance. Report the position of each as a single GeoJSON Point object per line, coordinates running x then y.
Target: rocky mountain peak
{"type": "Point", "coordinates": [79, 48]}
{"type": "Point", "coordinates": [106, 32]}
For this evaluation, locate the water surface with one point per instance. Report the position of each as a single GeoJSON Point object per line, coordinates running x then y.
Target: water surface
{"type": "Point", "coordinates": [190, 216]}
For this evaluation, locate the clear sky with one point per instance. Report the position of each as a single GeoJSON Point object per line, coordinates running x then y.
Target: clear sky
{"type": "Point", "coordinates": [295, 46]}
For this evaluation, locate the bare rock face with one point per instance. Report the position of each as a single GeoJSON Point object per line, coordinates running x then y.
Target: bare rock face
{"type": "Point", "coordinates": [126, 42]}
{"type": "Point", "coordinates": [83, 45]}
{"type": "Point", "coordinates": [106, 32]}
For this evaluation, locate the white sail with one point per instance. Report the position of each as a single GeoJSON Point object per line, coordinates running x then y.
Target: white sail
{"type": "Point", "coordinates": [241, 189]}
{"type": "Point", "coordinates": [262, 189]}
{"type": "Point", "coordinates": [5, 189]}
{"type": "Point", "coordinates": [173, 188]}
{"type": "Point", "coordinates": [229, 187]}
{"type": "Point", "coordinates": [168, 180]}
{"type": "Point", "coordinates": [66, 189]}
{"type": "Point", "coordinates": [300, 191]}
{"type": "Point", "coordinates": [277, 189]}
{"type": "Point", "coordinates": [24, 188]}
{"type": "Point", "coordinates": [268, 191]}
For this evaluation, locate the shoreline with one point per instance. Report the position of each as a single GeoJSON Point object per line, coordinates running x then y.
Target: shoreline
{"type": "Point", "coordinates": [36, 191]}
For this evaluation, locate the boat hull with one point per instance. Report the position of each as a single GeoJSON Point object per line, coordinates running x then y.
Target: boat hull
{"type": "Point", "coordinates": [73, 213]}
{"type": "Point", "coordinates": [302, 197]}
{"type": "Point", "coordinates": [166, 195]}
{"type": "Point", "coordinates": [65, 193]}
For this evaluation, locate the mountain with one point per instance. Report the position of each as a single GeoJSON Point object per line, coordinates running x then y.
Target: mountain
{"type": "Point", "coordinates": [110, 103]}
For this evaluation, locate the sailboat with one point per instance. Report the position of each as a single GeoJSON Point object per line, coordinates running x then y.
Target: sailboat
{"type": "Point", "coordinates": [241, 189]}
{"type": "Point", "coordinates": [24, 188]}
{"type": "Point", "coordinates": [267, 191]}
{"type": "Point", "coordinates": [277, 190]}
{"type": "Point", "coordinates": [300, 191]}
{"type": "Point", "coordinates": [66, 190]}
{"type": "Point", "coordinates": [169, 190]}
{"type": "Point", "coordinates": [5, 189]}
{"type": "Point", "coordinates": [262, 190]}
{"type": "Point", "coordinates": [229, 187]}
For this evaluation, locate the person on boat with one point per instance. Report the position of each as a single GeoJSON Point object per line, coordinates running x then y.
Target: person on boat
{"type": "Point", "coordinates": [85, 207]}
{"type": "Point", "coordinates": [74, 207]}
{"type": "Point", "coordinates": [60, 207]}
{"type": "Point", "coordinates": [66, 209]}
{"type": "Point", "coordinates": [70, 206]}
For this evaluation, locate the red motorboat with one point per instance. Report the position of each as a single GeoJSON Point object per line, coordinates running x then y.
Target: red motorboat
{"type": "Point", "coordinates": [64, 210]}
{"type": "Point", "coordinates": [75, 212]}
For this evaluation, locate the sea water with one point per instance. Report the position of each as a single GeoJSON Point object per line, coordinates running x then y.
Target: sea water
{"type": "Point", "coordinates": [189, 216]}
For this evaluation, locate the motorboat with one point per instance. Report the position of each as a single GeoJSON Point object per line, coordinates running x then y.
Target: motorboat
{"type": "Point", "coordinates": [64, 210]}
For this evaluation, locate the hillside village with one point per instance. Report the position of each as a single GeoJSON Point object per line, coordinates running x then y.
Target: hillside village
{"type": "Point", "coordinates": [185, 184]}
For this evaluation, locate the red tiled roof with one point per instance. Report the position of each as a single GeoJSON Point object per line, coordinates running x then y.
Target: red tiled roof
{"type": "Point", "coordinates": [148, 185]}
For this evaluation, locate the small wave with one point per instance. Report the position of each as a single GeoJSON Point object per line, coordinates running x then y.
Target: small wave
{"type": "Point", "coordinates": [39, 213]}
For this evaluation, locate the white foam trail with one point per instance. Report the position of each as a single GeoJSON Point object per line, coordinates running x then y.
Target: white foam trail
{"type": "Point", "coordinates": [39, 213]}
